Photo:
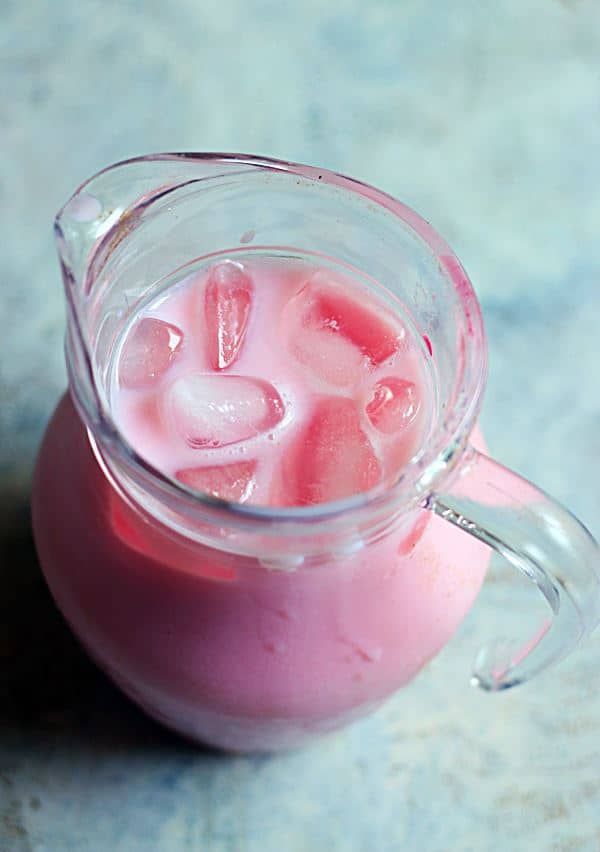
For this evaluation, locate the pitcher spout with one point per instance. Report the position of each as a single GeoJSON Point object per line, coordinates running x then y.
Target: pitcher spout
{"type": "Point", "coordinates": [102, 203]}
{"type": "Point", "coordinates": [108, 261]}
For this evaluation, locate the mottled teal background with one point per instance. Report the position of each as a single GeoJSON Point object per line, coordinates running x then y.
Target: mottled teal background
{"type": "Point", "coordinates": [485, 117]}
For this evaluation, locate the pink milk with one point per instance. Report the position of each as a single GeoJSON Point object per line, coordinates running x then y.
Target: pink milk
{"type": "Point", "coordinates": [272, 383]}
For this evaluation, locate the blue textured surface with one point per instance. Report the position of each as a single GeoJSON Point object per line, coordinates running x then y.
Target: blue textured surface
{"type": "Point", "coordinates": [484, 118]}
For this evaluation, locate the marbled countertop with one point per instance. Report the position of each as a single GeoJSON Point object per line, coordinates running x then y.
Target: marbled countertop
{"type": "Point", "coordinates": [486, 119]}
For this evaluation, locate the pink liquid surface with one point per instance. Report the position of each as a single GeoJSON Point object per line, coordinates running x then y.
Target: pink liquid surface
{"type": "Point", "coordinates": [231, 649]}
{"type": "Point", "coordinates": [272, 381]}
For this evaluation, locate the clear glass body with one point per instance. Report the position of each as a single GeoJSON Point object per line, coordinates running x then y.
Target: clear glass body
{"type": "Point", "coordinates": [251, 627]}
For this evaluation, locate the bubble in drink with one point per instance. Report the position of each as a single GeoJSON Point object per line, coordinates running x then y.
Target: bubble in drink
{"type": "Point", "coordinates": [393, 405]}
{"type": "Point", "coordinates": [227, 303]}
{"type": "Point", "coordinates": [235, 482]}
{"type": "Point", "coordinates": [333, 458]}
{"type": "Point", "coordinates": [148, 352]}
{"type": "Point", "coordinates": [216, 410]}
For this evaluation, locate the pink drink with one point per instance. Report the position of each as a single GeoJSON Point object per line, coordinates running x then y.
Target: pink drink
{"type": "Point", "coordinates": [271, 382]}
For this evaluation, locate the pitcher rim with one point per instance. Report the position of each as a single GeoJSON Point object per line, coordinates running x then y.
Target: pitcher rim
{"type": "Point", "coordinates": [420, 476]}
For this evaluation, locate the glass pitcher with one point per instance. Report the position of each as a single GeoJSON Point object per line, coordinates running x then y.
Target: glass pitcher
{"type": "Point", "coordinates": [255, 628]}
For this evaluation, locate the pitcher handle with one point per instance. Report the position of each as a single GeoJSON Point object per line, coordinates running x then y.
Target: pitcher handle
{"type": "Point", "coordinates": [546, 543]}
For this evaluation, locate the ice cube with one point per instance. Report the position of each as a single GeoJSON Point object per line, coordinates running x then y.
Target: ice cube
{"type": "Point", "coordinates": [337, 336]}
{"type": "Point", "coordinates": [215, 410]}
{"type": "Point", "coordinates": [370, 327]}
{"type": "Point", "coordinates": [393, 405]}
{"type": "Point", "coordinates": [227, 302]}
{"type": "Point", "coordinates": [235, 482]}
{"type": "Point", "coordinates": [148, 352]}
{"type": "Point", "coordinates": [330, 357]}
{"type": "Point", "coordinates": [333, 457]}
